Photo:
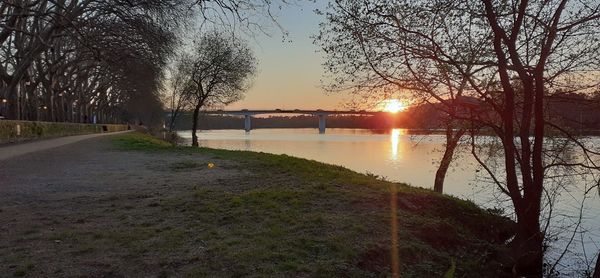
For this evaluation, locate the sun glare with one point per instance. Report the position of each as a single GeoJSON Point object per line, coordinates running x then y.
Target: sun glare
{"type": "Point", "coordinates": [394, 106]}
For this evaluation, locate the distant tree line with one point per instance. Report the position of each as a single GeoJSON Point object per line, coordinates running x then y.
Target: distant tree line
{"type": "Point", "coordinates": [207, 122]}
{"type": "Point", "coordinates": [299, 121]}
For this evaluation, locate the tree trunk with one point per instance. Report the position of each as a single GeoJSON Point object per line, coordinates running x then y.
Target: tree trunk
{"type": "Point", "coordinates": [172, 119]}
{"type": "Point", "coordinates": [440, 174]}
{"type": "Point", "coordinates": [63, 112]}
{"type": "Point", "coordinates": [70, 111]}
{"type": "Point", "coordinates": [527, 246]}
{"type": "Point", "coordinates": [51, 109]}
{"type": "Point", "coordinates": [195, 125]}
{"type": "Point", "coordinates": [14, 101]}
{"type": "Point", "coordinates": [597, 268]}
{"type": "Point", "coordinates": [451, 143]}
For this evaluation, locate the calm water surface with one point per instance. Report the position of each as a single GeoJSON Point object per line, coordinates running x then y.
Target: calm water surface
{"type": "Point", "coordinates": [397, 156]}
{"type": "Point", "coordinates": [394, 155]}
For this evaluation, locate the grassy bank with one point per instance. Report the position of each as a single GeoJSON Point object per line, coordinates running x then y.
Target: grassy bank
{"type": "Point", "coordinates": [294, 217]}
{"type": "Point", "coordinates": [29, 130]}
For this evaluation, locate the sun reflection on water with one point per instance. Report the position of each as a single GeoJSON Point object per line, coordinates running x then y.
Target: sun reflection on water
{"type": "Point", "coordinates": [395, 141]}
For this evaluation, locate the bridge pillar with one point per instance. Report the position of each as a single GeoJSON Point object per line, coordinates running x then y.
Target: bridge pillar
{"type": "Point", "coordinates": [322, 122]}
{"type": "Point", "coordinates": [247, 123]}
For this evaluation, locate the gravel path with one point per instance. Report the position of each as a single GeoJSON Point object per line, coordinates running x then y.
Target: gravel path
{"type": "Point", "coordinates": [11, 151]}
{"type": "Point", "coordinates": [44, 194]}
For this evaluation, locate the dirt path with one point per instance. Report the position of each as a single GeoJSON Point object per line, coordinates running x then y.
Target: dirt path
{"type": "Point", "coordinates": [84, 186]}
{"type": "Point", "coordinates": [11, 151]}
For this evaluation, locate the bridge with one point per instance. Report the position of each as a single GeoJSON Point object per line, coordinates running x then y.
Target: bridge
{"type": "Point", "coordinates": [321, 114]}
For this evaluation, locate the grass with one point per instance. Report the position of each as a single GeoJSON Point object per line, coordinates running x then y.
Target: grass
{"type": "Point", "coordinates": [302, 217]}
{"type": "Point", "coordinates": [258, 215]}
{"type": "Point", "coordinates": [263, 215]}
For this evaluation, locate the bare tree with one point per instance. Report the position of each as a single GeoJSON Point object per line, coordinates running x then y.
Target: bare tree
{"type": "Point", "coordinates": [506, 57]}
{"type": "Point", "coordinates": [597, 268]}
{"type": "Point", "coordinates": [70, 57]}
{"type": "Point", "coordinates": [216, 72]}
{"type": "Point", "coordinates": [66, 60]}
{"type": "Point", "coordinates": [176, 95]}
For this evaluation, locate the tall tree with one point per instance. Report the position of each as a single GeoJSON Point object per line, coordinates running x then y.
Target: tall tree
{"type": "Point", "coordinates": [55, 53]}
{"type": "Point", "coordinates": [507, 57]}
{"type": "Point", "coordinates": [64, 60]}
{"type": "Point", "coordinates": [216, 72]}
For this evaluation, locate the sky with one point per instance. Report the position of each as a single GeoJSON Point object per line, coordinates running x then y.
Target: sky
{"type": "Point", "coordinates": [290, 72]}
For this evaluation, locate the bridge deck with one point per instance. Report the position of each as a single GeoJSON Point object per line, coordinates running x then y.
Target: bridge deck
{"type": "Point", "coordinates": [294, 111]}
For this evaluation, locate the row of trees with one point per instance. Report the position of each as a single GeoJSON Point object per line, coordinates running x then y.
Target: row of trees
{"type": "Point", "coordinates": [75, 60]}
{"type": "Point", "coordinates": [103, 60]}
{"type": "Point", "coordinates": [492, 66]}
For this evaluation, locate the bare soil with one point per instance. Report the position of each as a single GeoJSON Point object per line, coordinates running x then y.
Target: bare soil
{"type": "Point", "coordinates": [89, 187]}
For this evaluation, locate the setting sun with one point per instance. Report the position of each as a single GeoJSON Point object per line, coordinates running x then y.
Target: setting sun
{"type": "Point", "coordinates": [393, 105]}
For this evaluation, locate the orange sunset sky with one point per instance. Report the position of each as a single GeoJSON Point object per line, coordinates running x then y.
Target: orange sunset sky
{"type": "Point", "coordinates": [290, 72]}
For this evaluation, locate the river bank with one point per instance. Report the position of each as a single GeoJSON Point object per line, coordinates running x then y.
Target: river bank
{"type": "Point", "coordinates": [132, 205]}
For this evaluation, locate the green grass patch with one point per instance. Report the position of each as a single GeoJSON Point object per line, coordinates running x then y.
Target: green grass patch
{"type": "Point", "coordinates": [140, 142]}
{"type": "Point", "coordinates": [297, 217]}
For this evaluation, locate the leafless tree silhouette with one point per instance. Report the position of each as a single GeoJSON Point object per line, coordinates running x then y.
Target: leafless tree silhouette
{"type": "Point", "coordinates": [68, 60]}
{"type": "Point", "coordinates": [490, 64]}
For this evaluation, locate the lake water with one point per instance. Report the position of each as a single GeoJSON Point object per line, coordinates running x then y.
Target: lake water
{"type": "Point", "coordinates": [397, 155]}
